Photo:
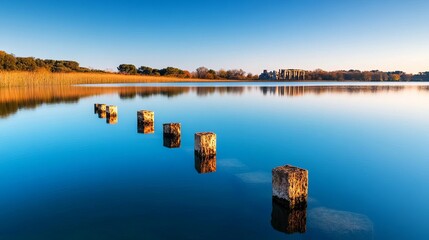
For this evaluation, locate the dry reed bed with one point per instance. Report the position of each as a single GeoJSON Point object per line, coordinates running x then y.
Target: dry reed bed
{"type": "Point", "coordinates": [31, 79]}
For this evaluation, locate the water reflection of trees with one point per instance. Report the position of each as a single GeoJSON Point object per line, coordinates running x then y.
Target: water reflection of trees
{"type": "Point", "coordinates": [14, 99]}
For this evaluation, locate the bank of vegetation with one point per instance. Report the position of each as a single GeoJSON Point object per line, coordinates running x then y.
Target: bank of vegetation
{"type": "Point", "coordinates": [30, 71]}
{"type": "Point", "coordinates": [374, 75]}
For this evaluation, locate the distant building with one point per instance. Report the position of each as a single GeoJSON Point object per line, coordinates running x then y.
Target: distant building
{"type": "Point", "coordinates": [284, 74]}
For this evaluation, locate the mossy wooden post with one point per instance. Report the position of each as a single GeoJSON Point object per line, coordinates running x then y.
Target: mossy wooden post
{"type": "Point", "coordinates": [205, 144]}
{"type": "Point", "coordinates": [290, 186]}
{"type": "Point", "coordinates": [171, 135]}
{"type": "Point", "coordinates": [287, 220]}
{"type": "Point", "coordinates": [145, 122]}
{"type": "Point", "coordinates": [112, 110]}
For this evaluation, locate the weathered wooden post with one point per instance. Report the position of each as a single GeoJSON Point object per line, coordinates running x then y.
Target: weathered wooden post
{"type": "Point", "coordinates": [205, 152]}
{"type": "Point", "coordinates": [287, 220]}
{"type": "Point", "coordinates": [112, 110]}
{"type": "Point", "coordinates": [290, 186]}
{"type": "Point", "coordinates": [205, 144]}
{"type": "Point", "coordinates": [145, 121]}
{"type": "Point", "coordinates": [171, 135]}
{"type": "Point", "coordinates": [96, 106]}
{"type": "Point", "coordinates": [101, 107]}
{"type": "Point", "coordinates": [205, 164]}
{"type": "Point", "coordinates": [146, 116]}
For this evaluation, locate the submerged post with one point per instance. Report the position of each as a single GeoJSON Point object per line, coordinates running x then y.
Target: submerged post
{"type": "Point", "coordinates": [205, 144]}
{"type": "Point", "coordinates": [171, 135]}
{"type": "Point", "coordinates": [290, 186]}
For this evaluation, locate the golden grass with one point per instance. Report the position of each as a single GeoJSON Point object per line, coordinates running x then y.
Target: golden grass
{"type": "Point", "coordinates": [44, 78]}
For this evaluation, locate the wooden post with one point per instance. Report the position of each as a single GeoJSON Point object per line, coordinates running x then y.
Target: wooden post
{"type": "Point", "coordinates": [102, 107]}
{"type": "Point", "coordinates": [146, 116]}
{"type": "Point", "coordinates": [112, 110]}
{"type": "Point", "coordinates": [171, 129]}
{"type": "Point", "coordinates": [205, 144]}
{"type": "Point", "coordinates": [290, 186]}
{"type": "Point", "coordinates": [96, 106]}
{"type": "Point", "coordinates": [145, 122]}
{"type": "Point", "coordinates": [171, 135]}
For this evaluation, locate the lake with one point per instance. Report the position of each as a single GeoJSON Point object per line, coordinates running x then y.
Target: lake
{"type": "Point", "coordinates": [66, 173]}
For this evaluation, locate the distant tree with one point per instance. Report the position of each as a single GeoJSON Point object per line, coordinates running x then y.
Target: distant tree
{"type": "Point", "coordinates": [395, 77]}
{"type": "Point", "coordinates": [7, 61]}
{"type": "Point", "coordinates": [406, 77]}
{"type": "Point", "coordinates": [367, 76]}
{"type": "Point", "coordinates": [127, 69]}
{"type": "Point", "coordinates": [236, 74]}
{"type": "Point", "coordinates": [26, 64]}
{"type": "Point", "coordinates": [221, 74]}
{"type": "Point", "coordinates": [202, 72]}
{"type": "Point", "coordinates": [143, 70]}
{"type": "Point", "coordinates": [72, 65]}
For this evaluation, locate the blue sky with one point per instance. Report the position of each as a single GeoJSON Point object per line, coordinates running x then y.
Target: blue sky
{"type": "Point", "coordinates": [252, 35]}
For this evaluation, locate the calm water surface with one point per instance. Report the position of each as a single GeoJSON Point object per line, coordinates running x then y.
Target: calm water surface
{"type": "Point", "coordinates": [67, 174]}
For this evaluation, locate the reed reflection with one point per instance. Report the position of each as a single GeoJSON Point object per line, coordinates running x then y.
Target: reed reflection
{"type": "Point", "coordinates": [13, 99]}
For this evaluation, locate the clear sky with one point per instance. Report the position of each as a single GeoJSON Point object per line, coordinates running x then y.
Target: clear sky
{"type": "Point", "coordinates": [252, 35]}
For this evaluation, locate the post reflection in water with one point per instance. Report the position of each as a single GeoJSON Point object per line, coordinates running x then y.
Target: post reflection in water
{"type": "Point", "coordinates": [171, 141]}
{"type": "Point", "coordinates": [288, 220]}
{"type": "Point", "coordinates": [205, 164]}
{"type": "Point", "coordinates": [111, 118]}
{"type": "Point", "coordinates": [145, 127]}
{"type": "Point", "coordinates": [102, 114]}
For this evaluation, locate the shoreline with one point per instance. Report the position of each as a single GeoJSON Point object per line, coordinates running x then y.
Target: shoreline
{"type": "Point", "coordinates": [38, 79]}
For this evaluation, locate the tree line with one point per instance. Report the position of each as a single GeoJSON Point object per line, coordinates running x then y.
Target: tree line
{"type": "Point", "coordinates": [8, 62]}
{"type": "Point", "coordinates": [201, 72]}
{"type": "Point", "coordinates": [357, 75]}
